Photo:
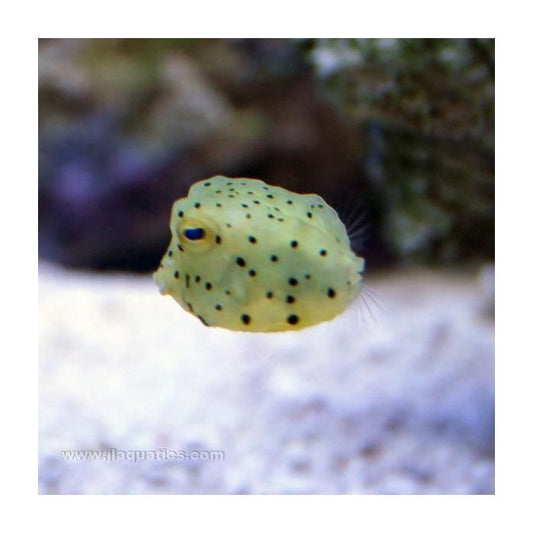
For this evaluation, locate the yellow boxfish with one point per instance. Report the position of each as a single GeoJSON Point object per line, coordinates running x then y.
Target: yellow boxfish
{"type": "Point", "coordinates": [248, 256]}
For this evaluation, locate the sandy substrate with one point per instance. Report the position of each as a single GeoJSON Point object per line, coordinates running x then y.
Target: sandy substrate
{"type": "Point", "coordinates": [402, 403]}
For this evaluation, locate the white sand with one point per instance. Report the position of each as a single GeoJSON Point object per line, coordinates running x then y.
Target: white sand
{"type": "Point", "coordinates": [400, 405]}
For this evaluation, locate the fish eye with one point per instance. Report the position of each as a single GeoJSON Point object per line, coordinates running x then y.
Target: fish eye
{"type": "Point", "coordinates": [194, 234]}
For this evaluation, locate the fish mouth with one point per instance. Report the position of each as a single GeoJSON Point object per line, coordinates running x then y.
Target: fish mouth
{"type": "Point", "coordinates": [160, 283]}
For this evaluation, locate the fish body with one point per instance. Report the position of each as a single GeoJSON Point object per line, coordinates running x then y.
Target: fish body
{"type": "Point", "coordinates": [248, 256]}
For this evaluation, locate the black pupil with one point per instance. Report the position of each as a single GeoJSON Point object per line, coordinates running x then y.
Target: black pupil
{"type": "Point", "coordinates": [194, 234]}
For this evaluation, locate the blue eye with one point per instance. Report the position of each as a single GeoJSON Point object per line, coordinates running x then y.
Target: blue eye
{"type": "Point", "coordinates": [194, 234]}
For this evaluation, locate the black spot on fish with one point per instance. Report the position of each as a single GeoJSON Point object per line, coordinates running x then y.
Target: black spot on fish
{"type": "Point", "coordinates": [292, 319]}
{"type": "Point", "coordinates": [246, 319]}
{"type": "Point", "coordinates": [293, 281]}
{"type": "Point", "coordinates": [240, 261]}
{"type": "Point", "coordinates": [331, 293]}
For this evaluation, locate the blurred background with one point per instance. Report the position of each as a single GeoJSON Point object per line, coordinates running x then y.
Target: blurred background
{"type": "Point", "coordinates": [400, 403]}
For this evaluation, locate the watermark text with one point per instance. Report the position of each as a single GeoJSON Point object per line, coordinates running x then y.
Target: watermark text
{"type": "Point", "coordinates": [134, 456]}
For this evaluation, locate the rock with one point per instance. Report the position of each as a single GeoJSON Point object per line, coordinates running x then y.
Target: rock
{"type": "Point", "coordinates": [426, 110]}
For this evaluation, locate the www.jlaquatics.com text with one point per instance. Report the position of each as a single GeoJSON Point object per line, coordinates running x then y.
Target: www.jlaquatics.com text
{"type": "Point", "coordinates": [133, 456]}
